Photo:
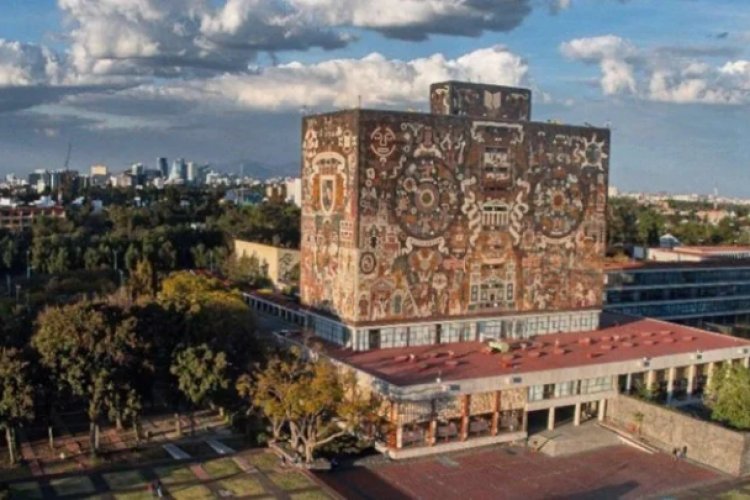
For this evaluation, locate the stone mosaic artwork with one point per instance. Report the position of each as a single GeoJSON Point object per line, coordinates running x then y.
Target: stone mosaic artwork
{"type": "Point", "coordinates": [412, 216]}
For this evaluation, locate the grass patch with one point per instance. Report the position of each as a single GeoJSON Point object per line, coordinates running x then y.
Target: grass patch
{"type": "Point", "coordinates": [76, 485]}
{"type": "Point", "coordinates": [196, 492]}
{"type": "Point", "coordinates": [60, 466]}
{"type": "Point", "coordinates": [221, 468]}
{"type": "Point", "coordinates": [264, 461]}
{"type": "Point", "coordinates": [134, 495]}
{"type": "Point", "coordinates": [735, 495]}
{"type": "Point", "coordinates": [310, 495]}
{"type": "Point", "coordinates": [290, 480]}
{"type": "Point", "coordinates": [171, 474]}
{"type": "Point", "coordinates": [17, 472]}
{"type": "Point", "coordinates": [241, 486]}
{"type": "Point", "coordinates": [124, 480]}
{"type": "Point", "coordinates": [28, 490]}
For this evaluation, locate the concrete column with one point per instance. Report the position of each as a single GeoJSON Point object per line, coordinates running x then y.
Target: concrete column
{"type": "Point", "coordinates": [432, 436]}
{"type": "Point", "coordinates": [602, 410]}
{"type": "Point", "coordinates": [691, 380]}
{"type": "Point", "coordinates": [746, 362]}
{"type": "Point", "coordinates": [525, 421]}
{"type": "Point", "coordinates": [577, 415]}
{"type": "Point", "coordinates": [670, 383]}
{"type": "Point", "coordinates": [465, 410]}
{"type": "Point", "coordinates": [650, 379]}
{"type": "Point", "coordinates": [496, 413]}
{"type": "Point", "coordinates": [551, 419]}
{"type": "Point", "coordinates": [628, 383]}
{"type": "Point", "coordinates": [396, 439]}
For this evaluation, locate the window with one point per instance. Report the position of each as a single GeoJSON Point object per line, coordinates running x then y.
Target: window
{"type": "Point", "coordinates": [564, 389]}
{"type": "Point", "coordinates": [536, 393]}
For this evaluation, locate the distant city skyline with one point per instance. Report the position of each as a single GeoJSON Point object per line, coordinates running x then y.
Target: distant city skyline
{"type": "Point", "coordinates": [227, 81]}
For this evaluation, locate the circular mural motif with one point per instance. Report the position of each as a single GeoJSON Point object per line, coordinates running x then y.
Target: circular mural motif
{"type": "Point", "coordinates": [558, 204]}
{"type": "Point", "coordinates": [367, 263]}
{"type": "Point", "coordinates": [425, 200]}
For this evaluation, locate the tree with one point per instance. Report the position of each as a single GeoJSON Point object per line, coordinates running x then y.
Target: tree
{"type": "Point", "coordinates": [319, 402]}
{"type": "Point", "coordinates": [201, 374]}
{"type": "Point", "coordinates": [729, 396]}
{"type": "Point", "coordinates": [17, 396]}
{"type": "Point", "coordinates": [93, 352]}
{"type": "Point", "coordinates": [142, 281]}
{"type": "Point", "coordinates": [213, 314]}
{"type": "Point", "coordinates": [268, 389]}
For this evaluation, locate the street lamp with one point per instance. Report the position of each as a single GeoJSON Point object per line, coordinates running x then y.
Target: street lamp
{"type": "Point", "coordinates": [28, 264]}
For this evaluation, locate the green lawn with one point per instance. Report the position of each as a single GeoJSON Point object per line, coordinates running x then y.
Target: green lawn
{"type": "Point", "coordinates": [265, 461]}
{"type": "Point", "coordinates": [124, 480]}
{"type": "Point", "coordinates": [290, 480]}
{"type": "Point", "coordinates": [742, 494]}
{"type": "Point", "coordinates": [242, 485]}
{"type": "Point", "coordinates": [170, 474]}
{"type": "Point", "coordinates": [196, 492]}
{"type": "Point", "coordinates": [221, 468]}
{"type": "Point", "coordinates": [142, 494]}
{"type": "Point", "coordinates": [60, 466]}
{"type": "Point", "coordinates": [310, 495]}
{"type": "Point", "coordinates": [7, 473]}
{"type": "Point", "coordinates": [75, 485]}
{"type": "Point", "coordinates": [28, 491]}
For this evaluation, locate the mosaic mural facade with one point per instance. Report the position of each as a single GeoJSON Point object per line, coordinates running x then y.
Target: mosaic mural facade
{"type": "Point", "coordinates": [412, 216]}
{"type": "Point", "coordinates": [492, 102]}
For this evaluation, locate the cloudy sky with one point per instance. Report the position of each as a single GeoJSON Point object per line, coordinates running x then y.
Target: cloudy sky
{"type": "Point", "coordinates": [226, 81]}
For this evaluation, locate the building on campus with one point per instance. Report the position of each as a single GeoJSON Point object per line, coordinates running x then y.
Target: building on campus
{"type": "Point", "coordinates": [698, 286]}
{"type": "Point", "coordinates": [16, 218]}
{"type": "Point", "coordinates": [455, 261]}
{"type": "Point", "coordinates": [281, 265]}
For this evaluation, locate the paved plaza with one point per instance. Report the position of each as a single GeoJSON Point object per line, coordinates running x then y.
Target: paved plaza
{"type": "Point", "coordinates": [515, 473]}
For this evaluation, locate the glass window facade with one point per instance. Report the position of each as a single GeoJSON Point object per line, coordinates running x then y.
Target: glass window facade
{"type": "Point", "coordinates": [680, 292]}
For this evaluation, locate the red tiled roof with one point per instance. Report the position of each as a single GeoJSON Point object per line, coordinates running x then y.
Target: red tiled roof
{"type": "Point", "coordinates": [635, 340]}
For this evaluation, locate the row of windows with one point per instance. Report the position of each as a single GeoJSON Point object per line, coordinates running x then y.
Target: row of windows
{"type": "Point", "coordinates": [676, 277]}
{"type": "Point", "coordinates": [571, 388]}
{"type": "Point", "coordinates": [659, 294]}
{"type": "Point", "coordinates": [686, 308]}
{"type": "Point", "coordinates": [402, 336]}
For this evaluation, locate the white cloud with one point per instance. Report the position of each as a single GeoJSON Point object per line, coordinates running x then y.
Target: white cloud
{"type": "Point", "coordinates": [178, 37]}
{"type": "Point", "coordinates": [339, 82]}
{"type": "Point", "coordinates": [24, 64]}
{"type": "Point", "coordinates": [676, 74]}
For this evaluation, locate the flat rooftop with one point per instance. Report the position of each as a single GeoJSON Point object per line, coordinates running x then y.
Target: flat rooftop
{"type": "Point", "coordinates": [635, 340]}
{"type": "Point", "coordinates": [649, 265]}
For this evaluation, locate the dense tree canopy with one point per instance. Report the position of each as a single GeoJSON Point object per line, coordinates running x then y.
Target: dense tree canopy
{"type": "Point", "coordinates": [729, 396]}
{"type": "Point", "coordinates": [317, 401]}
{"type": "Point", "coordinates": [94, 352]}
{"type": "Point", "coordinates": [16, 395]}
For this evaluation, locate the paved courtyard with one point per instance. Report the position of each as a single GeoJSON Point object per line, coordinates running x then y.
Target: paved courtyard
{"type": "Point", "coordinates": [514, 473]}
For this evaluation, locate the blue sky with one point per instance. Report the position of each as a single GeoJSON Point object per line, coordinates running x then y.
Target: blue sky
{"type": "Point", "coordinates": [214, 80]}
